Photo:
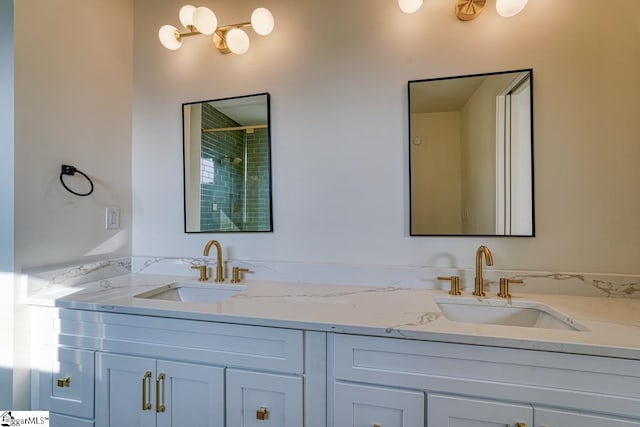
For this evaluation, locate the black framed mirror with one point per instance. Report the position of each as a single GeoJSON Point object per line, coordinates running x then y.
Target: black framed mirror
{"type": "Point", "coordinates": [471, 155]}
{"type": "Point", "coordinates": [227, 165]}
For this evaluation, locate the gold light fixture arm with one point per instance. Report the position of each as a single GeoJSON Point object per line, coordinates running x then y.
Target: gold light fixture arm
{"type": "Point", "coordinates": [232, 26]}
{"type": "Point", "coordinates": [219, 36]}
{"type": "Point", "coordinates": [180, 36]}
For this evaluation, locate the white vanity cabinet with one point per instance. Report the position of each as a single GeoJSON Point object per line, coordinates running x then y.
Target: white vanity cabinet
{"type": "Point", "coordinates": [147, 393]}
{"type": "Point", "coordinates": [481, 386]}
{"type": "Point", "coordinates": [65, 385]}
{"type": "Point", "coordinates": [359, 405]}
{"type": "Point", "coordinates": [258, 399]}
{"type": "Point", "coordinates": [458, 411]}
{"type": "Point", "coordinates": [154, 371]}
{"type": "Point", "coordinates": [140, 391]}
{"type": "Point", "coordinates": [106, 369]}
{"type": "Point", "coordinates": [560, 418]}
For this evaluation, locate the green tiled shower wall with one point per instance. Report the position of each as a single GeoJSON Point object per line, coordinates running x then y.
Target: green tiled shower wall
{"type": "Point", "coordinates": [224, 205]}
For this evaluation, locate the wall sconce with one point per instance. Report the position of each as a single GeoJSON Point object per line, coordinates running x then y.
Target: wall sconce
{"type": "Point", "coordinates": [466, 10]}
{"type": "Point", "coordinates": [227, 38]}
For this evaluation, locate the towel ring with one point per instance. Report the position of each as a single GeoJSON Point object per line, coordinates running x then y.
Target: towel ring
{"type": "Point", "coordinates": [71, 170]}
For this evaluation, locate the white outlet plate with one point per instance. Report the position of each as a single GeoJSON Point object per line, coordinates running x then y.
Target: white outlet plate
{"type": "Point", "coordinates": [112, 218]}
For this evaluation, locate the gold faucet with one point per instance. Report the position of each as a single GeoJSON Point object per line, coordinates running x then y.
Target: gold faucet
{"type": "Point", "coordinates": [479, 281]}
{"type": "Point", "coordinates": [219, 270]}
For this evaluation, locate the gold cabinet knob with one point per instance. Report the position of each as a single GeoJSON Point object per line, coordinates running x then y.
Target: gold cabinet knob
{"type": "Point", "coordinates": [504, 291]}
{"type": "Point", "coordinates": [262, 413]}
{"type": "Point", "coordinates": [521, 424]}
{"type": "Point", "coordinates": [64, 382]}
{"type": "Point", "coordinates": [455, 284]}
{"type": "Point", "coordinates": [377, 425]}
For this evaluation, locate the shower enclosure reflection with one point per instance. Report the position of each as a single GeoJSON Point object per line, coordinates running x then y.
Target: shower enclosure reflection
{"type": "Point", "coordinates": [227, 165]}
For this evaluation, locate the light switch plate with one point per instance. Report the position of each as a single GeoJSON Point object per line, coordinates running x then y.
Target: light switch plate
{"type": "Point", "coordinates": [112, 218]}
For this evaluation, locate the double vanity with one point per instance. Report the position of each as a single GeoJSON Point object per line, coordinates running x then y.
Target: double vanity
{"type": "Point", "coordinates": [168, 350]}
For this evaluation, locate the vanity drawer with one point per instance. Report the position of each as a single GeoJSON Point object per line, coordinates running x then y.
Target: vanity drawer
{"type": "Point", "coordinates": [66, 386]}
{"type": "Point", "coordinates": [358, 405]}
{"type": "Point", "coordinates": [571, 381]}
{"type": "Point", "coordinates": [209, 343]}
{"type": "Point", "coordinates": [256, 399]}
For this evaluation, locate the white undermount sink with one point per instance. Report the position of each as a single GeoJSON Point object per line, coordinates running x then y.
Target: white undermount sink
{"type": "Point", "coordinates": [505, 312]}
{"type": "Point", "coordinates": [203, 293]}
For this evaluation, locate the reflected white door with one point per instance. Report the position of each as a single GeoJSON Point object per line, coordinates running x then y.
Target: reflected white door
{"type": "Point", "coordinates": [514, 161]}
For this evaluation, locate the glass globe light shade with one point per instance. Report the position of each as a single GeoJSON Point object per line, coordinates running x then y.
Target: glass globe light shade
{"type": "Point", "coordinates": [186, 15]}
{"type": "Point", "coordinates": [238, 41]}
{"type": "Point", "coordinates": [262, 21]}
{"type": "Point", "coordinates": [205, 20]}
{"type": "Point", "coordinates": [509, 8]}
{"type": "Point", "coordinates": [167, 36]}
{"type": "Point", "coordinates": [409, 6]}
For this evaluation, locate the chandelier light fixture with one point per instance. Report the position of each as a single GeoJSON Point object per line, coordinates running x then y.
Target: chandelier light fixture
{"type": "Point", "coordinates": [226, 38]}
{"type": "Point", "coordinates": [466, 10]}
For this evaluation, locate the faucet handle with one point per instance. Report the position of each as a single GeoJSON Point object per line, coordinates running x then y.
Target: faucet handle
{"type": "Point", "coordinates": [504, 286]}
{"type": "Point", "coordinates": [455, 284]}
{"type": "Point", "coordinates": [203, 272]}
{"type": "Point", "coordinates": [235, 276]}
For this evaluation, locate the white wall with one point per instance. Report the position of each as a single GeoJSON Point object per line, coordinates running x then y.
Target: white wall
{"type": "Point", "coordinates": [73, 106]}
{"type": "Point", "coordinates": [337, 72]}
{"type": "Point", "coordinates": [6, 203]}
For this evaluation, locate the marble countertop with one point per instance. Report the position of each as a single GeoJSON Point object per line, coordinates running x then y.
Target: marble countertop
{"type": "Point", "coordinates": [613, 323]}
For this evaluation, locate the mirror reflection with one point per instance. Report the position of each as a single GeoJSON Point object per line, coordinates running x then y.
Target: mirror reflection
{"type": "Point", "coordinates": [227, 165]}
{"type": "Point", "coordinates": [471, 162]}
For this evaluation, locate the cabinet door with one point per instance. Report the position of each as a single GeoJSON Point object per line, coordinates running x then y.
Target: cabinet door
{"type": "Point", "coordinates": [124, 391]}
{"type": "Point", "coordinates": [67, 386]}
{"type": "Point", "coordinates": [557, 418]}
{"type": "Point", "coordinates": [189, 395]}
{"type": "Point", "coordinates": [57, 420]}
{"type": "Point", "coordinates": [367, 406]}
{"type": "Point", "coordinates": [453, 411]}
{"type": "Point", "coordinates": [257, 399]}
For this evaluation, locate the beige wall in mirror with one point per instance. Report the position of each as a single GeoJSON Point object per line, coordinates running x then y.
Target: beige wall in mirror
{"type": "Point", "coordinates": [471, 162]}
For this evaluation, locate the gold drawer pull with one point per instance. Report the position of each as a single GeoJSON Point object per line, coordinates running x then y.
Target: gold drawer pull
{"type": "Point", "coordinates": [521, 424]}
{"type": "Point", "coordinates": [377, 425]}
{"type": "Point", "coordinates": [160, 406]}
{"type": "Point", "coordinates": [146, 391]}
{"type": "Point", "coordinates": [262, 413]}
{"type": "Point", "coordinates": [64, 382]}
